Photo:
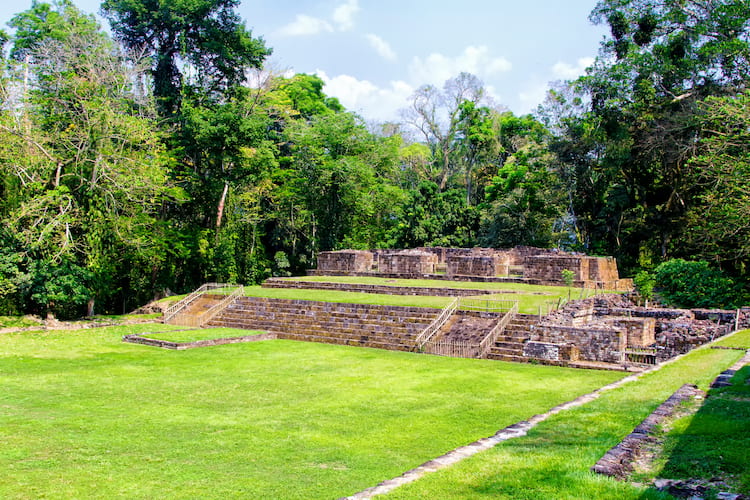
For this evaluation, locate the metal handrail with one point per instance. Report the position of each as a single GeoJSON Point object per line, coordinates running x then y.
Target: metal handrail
{"type": "Point", "coordinates": [223, 304]}
{"type": "Point", "coordinates": [486, 344]}
{"type": "Point", "coordinates": [436, 324]}
{"type": "Point", "coordinates": [174, 309]}
{"type": "Point", "coordinates": [486, 305]}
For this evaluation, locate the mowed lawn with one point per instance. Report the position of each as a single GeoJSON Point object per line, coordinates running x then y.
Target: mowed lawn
{"type": "Point", "coordinates": [554, 459]}
{"type": "Point", "coordinates": [84, 415]}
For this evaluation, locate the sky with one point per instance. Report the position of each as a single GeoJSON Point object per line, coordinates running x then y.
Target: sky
{"type": "Point", "coordinates": [373, 54]}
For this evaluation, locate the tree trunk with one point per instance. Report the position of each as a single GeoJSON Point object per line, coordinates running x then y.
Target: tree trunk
{"type": "Point", "coordinates": [220, 209]}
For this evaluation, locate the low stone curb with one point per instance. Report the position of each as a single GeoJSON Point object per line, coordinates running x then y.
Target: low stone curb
{"type": "Point", "coordinates": [180, 346]}
{"type": "Point", "coordinates": [618, 461]}
{"type": "Point", "coordinates": [724, 378]}
{"type": "Point", "coordinates": [516, 430]}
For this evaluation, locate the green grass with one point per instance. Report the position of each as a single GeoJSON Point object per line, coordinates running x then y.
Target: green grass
{"type": "Point", "coordinates": [715, 441]}
{"type": "Point", "coordinates": [554, 459]}
{"type": "Point", "coordinates": [84, 415]}
{"type": "Point", "coordinates": [530, 298]}
{"type": "Point", "coordinates": [19, 321]}
{"type": "Point", "coordinates": [739, 339]}
{"type": "Point", "coordinates": [194, 335]}
{"type": "Point", "coordinates": [348, 297]}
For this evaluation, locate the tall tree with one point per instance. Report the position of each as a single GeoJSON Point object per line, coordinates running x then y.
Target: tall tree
{"type": "Point", "coordinates": [436, 115]}
{"type": "Point", "coordinates": [633, 145]}
{"type": "Point", "coordinates": [86, 159]}
{"type": "Point", "coordinates": [204, 37]}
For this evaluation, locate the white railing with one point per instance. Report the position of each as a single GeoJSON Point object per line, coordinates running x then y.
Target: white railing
{"type": "Point", "coordinates": [206, 288]}
{"type": "Point", "coordinates": [487, 342]}
{"type": "Point", "coordinates": [452, 348]}
{"type": "Point", "coordinates": [216, 309]}
{"type": "Point", "coordinates": [486, 305]}
{"type": "Point", "coordinates": [463, 349]}
{"type": "Point", "coordinates": [436, 325]}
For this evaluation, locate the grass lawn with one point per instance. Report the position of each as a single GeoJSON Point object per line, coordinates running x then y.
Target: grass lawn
{"type": "Point", "coordinates": [530, 297]}
{"type": "Point", "coordinates": [348, 297]}
{"type": "Point", "coordinates": [715, 441]}
{"type": "Point", "coordinates": [19, 321]}
{"type": "Point", "coordinates": [554, 459]}
{"type": "Point", "coordinates": [195, 334]}
{"type": "Point", "coordinates": [84, 415]}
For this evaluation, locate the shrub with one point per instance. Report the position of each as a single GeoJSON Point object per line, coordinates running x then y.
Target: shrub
{"type": "Point", "coordinates": [682, 283]}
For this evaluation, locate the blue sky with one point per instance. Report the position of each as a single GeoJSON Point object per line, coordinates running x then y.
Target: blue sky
{"type": "Point", "coordinates": [373, 54]}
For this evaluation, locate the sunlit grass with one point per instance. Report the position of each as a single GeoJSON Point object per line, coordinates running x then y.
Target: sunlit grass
{"type": "Point", "coordinates": [554, 459]}
{"type": "Point", "coordinates": [84, 415]}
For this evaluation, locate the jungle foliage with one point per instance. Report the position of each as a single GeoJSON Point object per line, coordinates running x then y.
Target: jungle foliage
{"type": "Point", "coordinates": [148, 161]}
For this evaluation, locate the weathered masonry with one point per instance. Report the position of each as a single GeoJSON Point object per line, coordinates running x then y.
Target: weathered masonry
{"type": "Point", "coordinates": [521, 264]}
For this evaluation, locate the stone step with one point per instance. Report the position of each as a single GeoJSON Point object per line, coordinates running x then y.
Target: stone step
{"type": "Point", "coordinates": [508, 345]}
{"type": "Point", "coordinates": [502, 351]}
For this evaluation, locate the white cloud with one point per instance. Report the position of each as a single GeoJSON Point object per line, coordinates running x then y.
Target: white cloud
{"type": "Point", "coordinates": [565, 71]}
{"type": "Point", "coordinates": [531, 97]}
{"type": "Point", "coordinates": [343, 15]}
{"type": "Point", "coordinates": [436, 68]}
{"type": "Point", "coordinates": [381, 47]}
{"type": "Point", "coordinates": [306, 25]}
{"type": "Point", "coordinates": [366, 98]}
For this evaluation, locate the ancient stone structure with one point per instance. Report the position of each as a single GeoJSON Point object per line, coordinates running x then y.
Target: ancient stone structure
{"type": "Point", "coordinates": [520, 264]}
{"type": "Point", "coordinates": [586, 270]}
{"type": "Point", "coordinates": [356, 261]}
{"type": "Point", "coordinates": [407, 262]}
{"type": "Point", "coordinates": [490, 264]}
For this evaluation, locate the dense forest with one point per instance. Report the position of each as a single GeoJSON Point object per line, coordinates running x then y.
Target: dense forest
{"type": "Point", "coordinates": [164, 156]}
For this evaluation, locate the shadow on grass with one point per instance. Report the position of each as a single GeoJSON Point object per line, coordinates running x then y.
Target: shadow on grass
{"type": "Point", "coordinates": [712, 447]}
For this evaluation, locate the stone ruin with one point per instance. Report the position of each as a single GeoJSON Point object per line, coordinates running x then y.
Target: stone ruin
{"type": "Point", "coordinates": [611, 329]}
{"type": "Point", "coordinates": [407, 262]}
{"type": "Point", "coordinates": [521, 264]}
{"type": "Point", "coordinates": [353, 261]}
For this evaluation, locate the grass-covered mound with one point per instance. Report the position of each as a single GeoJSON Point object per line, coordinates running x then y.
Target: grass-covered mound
{"type": "Point", "coordinates": [530, 297]}
{"type": "Point", "coordinates": [85, 415]}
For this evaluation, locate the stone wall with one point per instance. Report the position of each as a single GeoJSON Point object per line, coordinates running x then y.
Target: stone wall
{"type": "Point", "coordinates": [407, 262]}
{"type": "Point", "coordinates": [477, 265]}
{"type": "Point", "coordinates": [585, 269]}
{"type": "Point", "coordinates": [551, 352]}
{"type": "Point", "coordinates": [641, 332]}
{"type": "Point", "coordinates": [345, 260]}
{"type": "Point", "coordinates": [595, 343]}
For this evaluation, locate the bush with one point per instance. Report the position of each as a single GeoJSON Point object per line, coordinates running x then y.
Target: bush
{"type": "Point", "coordinates": [688, 284]}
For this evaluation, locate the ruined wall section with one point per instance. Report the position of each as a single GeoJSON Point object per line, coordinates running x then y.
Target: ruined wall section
{"type": "Point", "coordinates": [345, 260]}
{"type": "Point", "coordinates": [414, 262]}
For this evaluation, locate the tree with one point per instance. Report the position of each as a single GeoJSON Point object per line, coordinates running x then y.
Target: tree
{"type": "Point", "coordinates": [525, 199]}
{"type": "Point", "coordinates": [684, 283]}
{"type": "Point", "coordinates": [718, 222]}
{"type": "Point", "coordinates": [204, 37]}
{"type": "Point", "coordinates": [629, 152]}
{"type": "Point", "coordinates": [86, 161]}
{"type": "Point", "coordinates": [436, 115]}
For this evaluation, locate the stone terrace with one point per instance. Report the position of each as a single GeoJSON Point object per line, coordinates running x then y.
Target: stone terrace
{"type": "Point", "coordinates": [364, 325]}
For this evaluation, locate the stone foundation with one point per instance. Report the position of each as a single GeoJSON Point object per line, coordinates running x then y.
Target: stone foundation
{"type": "Point", "coordinates": [345, 260]}
{"type": "Point", "coordinates": [411, 262]}
{"type": "Point", "coordinates": [536, 265]}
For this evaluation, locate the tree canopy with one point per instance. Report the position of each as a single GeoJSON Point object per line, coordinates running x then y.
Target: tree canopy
{"type": "Point", "coordinates": [147, 162]}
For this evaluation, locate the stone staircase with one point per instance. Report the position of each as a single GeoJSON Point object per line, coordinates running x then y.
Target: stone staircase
{"type": "Point", "coordinates": [509, 346]}
{"type": "Point", "coordinates": [362, 325]}
{"type": "Point", "coordinates": [466, 326]}
{"type": "Point", "coordinates": [191, 315]}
